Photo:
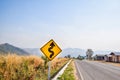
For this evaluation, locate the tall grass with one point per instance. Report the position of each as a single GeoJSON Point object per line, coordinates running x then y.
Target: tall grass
{"type": "Point", "coordinates": [14, 67]}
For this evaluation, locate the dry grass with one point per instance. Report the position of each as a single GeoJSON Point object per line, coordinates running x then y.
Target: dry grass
{"type": "Point", "coordinates": [57, 63]}
{"type": "Point", "coordinates": [14, 67]}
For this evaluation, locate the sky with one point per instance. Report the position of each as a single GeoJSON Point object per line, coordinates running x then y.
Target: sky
{"type": "Point", "coordinates": [84, 24]}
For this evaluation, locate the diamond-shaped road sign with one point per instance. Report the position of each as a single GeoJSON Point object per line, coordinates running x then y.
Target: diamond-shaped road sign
{"type": "Point", "coordinates": [51, 49]}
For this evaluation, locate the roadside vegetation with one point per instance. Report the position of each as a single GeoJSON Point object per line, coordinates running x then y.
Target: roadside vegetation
{"type": "Point", "coordinates": [14, 67]}
{"type": "Point", "coordinates": [69, 73]}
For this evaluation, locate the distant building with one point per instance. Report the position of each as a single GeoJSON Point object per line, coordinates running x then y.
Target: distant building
{"type": "Point", "coordinates": [112, 57]}
{"type": "Point", "coordinates": [108, 58]}
{"type": "Point", "coordinates": [115, 56]}
{"type": "Point", "coordinates": [99, 57]}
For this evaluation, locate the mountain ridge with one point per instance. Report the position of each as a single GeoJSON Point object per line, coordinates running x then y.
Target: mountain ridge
{"type": "Point", "coordinates": [8, 48]}
{"type": "Point", "coordinates": [74, 52]}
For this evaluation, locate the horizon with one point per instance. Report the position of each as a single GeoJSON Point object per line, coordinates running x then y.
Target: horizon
{"type": "Point", "coordinates": [72, 24]}
{"type": "Point", "coordinates": [62, 49]}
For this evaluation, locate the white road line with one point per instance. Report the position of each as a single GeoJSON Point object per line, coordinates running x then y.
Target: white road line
{"type": "Point", "coordinates": [80, 72]}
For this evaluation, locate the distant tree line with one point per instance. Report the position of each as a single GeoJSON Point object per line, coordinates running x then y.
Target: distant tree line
{"type": "Point", "coordinates": [78, 57]}
{"type": "Point", "coordinates": [88, 56]}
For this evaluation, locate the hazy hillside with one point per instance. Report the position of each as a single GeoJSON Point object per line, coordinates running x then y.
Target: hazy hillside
{"type": "Point", "coordinates": [102, 52]}
{"type": "Point", "coordinates": [7, 48]}
{"type": "Point", "coordinates": [74, 52]}
{"type": "Point", "coordinates": [33, 51]}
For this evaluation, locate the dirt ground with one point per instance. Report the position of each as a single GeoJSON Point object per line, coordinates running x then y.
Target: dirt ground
{"type": "Point", "coordinates": [115, 64]}
{"type": "Point", "coordinates": [111, 63]}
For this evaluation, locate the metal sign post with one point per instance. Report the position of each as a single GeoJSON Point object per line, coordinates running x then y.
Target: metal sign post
{"type": "Point", "coordinates": [49, 68]}
{"type": "Point", "coordinates": [51, 50]}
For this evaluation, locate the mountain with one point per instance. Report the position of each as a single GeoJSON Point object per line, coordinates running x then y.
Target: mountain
{"type": "Point", "coordinates": [33, 51]}
{"type": "Point", "coordinates": [7, 48]}
{"type": "Point", "coordinates": [102, 52]}
{"type": "Point", "coordinates": [74, 52]}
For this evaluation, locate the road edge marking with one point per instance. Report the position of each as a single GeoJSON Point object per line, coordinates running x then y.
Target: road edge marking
{"type": "Point", "coordinates": [61, 71]}
{"type": "Point", "coordinates": [79, 71]}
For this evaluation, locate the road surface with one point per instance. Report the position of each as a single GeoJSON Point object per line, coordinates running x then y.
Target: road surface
{"type": "Point", "coordinates": [90, 70]}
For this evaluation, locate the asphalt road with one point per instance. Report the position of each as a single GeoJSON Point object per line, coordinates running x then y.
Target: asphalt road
{"type": "Point", "coordinates": [90, 70]}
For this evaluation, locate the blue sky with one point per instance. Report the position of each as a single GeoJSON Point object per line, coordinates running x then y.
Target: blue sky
{"type": "Point", "coordinates": [82, 24]}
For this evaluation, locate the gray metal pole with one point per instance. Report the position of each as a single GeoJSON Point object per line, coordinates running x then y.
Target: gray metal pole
{"type": "Point", "coordinates": [49, 67]}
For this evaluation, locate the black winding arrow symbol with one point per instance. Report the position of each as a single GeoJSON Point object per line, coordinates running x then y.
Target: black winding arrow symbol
{"type": "Point", "coordinates": [49, 49]}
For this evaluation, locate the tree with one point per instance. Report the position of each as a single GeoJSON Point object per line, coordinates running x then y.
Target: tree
{"type": "Point", "coordinates": [80, 57]}
{"type": "Point", "coordinates": [68, 56]}
{"type": "Point", "coordinates": [89, 54]}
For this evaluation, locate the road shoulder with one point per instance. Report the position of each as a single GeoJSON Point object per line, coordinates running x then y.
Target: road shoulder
{"type": "Point", "coordinates": [75, 71]}
{"type": "Point", "coordinates": [68, 73]}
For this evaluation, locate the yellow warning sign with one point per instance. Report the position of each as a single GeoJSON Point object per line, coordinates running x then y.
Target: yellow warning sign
{"type": "Point", "coordinates": [51, 49]}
